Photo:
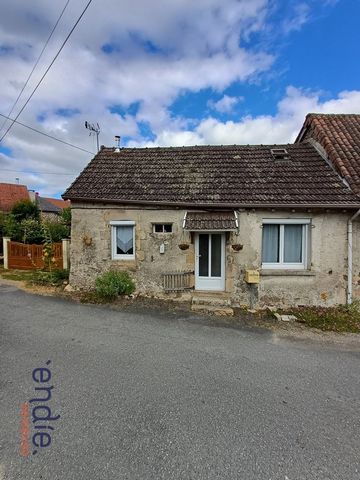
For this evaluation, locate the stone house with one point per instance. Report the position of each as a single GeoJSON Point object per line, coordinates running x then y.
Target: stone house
{"type": "Point", "coordinates": [51, 208]}
{"type": "Point", "coordinates": [252, 225]}
{"type": "Point", "coordinates": [337, 139]}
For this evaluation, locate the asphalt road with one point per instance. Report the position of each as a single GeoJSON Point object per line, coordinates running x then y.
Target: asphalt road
{"type": "Point", "coordinates": [146, 396]}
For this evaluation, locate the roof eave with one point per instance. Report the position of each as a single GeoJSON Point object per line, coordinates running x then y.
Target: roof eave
{"type": "Point", "coordinates": [215, 205]}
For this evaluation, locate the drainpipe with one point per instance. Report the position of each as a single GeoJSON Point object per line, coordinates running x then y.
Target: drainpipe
{"type": "Point", "coordinates": [350, 255]}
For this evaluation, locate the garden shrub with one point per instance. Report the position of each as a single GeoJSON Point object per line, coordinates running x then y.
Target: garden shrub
{"type": "Point", "coordinates": [57, 231]}
{"type": "Point", "coordinates": [24, 209]}
{"type": "Point", "coordinates": [111, 284]}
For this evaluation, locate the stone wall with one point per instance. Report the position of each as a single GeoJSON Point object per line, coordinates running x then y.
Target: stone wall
{"type": "Point", "coordinates": [323, 284]}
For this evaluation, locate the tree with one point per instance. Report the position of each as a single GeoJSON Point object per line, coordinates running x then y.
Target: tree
{"type": "Point", "coordinates": [24, 209]}
{"type": "Point", "coordinates": [66, 216]}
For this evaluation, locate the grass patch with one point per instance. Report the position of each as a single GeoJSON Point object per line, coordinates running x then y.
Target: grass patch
{"type": "Point", "coordinates": [17, 275]}
{"type": "Point", "coordinates": [53, 277]}
{"type": "Point", "coordinates": [341, 318]}
{"type": "Point", "coordinates": [92, 297]}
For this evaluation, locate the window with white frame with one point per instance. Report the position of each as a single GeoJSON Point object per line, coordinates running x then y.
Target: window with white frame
{"type": "Point", "coordinates": [122, 240]}
{"type": "Point", "coordinates": [285, 243]}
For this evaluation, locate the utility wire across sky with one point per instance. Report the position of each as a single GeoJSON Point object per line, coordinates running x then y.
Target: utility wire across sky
{"type": "Point", "coordinates": [36, 63]}
{"type": "Point", "coordinates": [46, 134]}
{"type": "Point", "coordinates": [47, 70]}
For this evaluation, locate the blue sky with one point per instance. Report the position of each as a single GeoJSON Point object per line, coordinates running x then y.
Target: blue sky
{"type": "Point", "coordinates": [178, 73]}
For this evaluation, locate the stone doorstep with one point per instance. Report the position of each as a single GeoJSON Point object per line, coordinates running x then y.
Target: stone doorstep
{"type": "Point", "coordinates": [216, 310]}
{"type": "Point", "coordinates": [215, 299]}
{"type": "Point", "coordinates": [212, 302]}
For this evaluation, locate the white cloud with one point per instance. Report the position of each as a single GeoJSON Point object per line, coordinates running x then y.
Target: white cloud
{"type": "Point", "coordinates": [159, 53]}
{"type": "Point", "coordinates": [226, 104]}
{"type": "Point", "coordinates": [161, 50]}
{"type": "Point", "coordinates": [300, 16]}
{"type": "Point", "coordinates": [282, 127]}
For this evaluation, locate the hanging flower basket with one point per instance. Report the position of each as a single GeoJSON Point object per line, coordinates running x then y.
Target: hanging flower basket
{"type": "Point", "coordinates": [237, 247]}
{"type": "Point", "coordinates": [183, 246]}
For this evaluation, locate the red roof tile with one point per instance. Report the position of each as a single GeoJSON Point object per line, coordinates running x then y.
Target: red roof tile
{"type": "Point", "coordinates": [10, 194]}
{"type": "Point", "coordinates": [339, 136]}
{"type": "Point", "coordinates": [58, 203]}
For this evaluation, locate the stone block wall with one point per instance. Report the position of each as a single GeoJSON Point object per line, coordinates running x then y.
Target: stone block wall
{"type": "Point", "coordinates": [323, 284]}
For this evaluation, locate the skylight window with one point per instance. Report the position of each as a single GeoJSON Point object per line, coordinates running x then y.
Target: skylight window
{"type": "Point", "coordinates": [280, 154]}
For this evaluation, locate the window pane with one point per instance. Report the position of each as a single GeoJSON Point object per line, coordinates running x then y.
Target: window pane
{"type": "Point", "coordinates": [158, 228]}
{"type": "Point", "coordinates": [125, 240]}
{"type": "Point", "coordinates": [168, 228]}
{"type": "Point", "coordinates": [216, 255]}
{"type": "Point", "coordinates": [203, 255]}
{"type": "Point", "coordinates": [270, 245]}
{"type": "Point", "coordinates": [293, 243]}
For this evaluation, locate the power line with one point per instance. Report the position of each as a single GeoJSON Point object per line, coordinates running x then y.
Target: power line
{"type": "Point", "coordinates": [36, 63]}
{"type": "Point", "coordinates": [46, 134]}
{"type": "Point", "coordinates": [46, 71]}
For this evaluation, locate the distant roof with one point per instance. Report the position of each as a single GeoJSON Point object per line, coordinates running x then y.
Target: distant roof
{"type": "Point", "coordinates": [46, 206]}
{"type": "Point", "coordinates": [51, 205]}
{"type": "Point", "coordinates": [339, 135]}
{"type": "Point", "coordinates": [11, 193]}
{"type": "Point", "coordinates": [212, 176]}
{"type": "Point", "coordinates": [58, 202]}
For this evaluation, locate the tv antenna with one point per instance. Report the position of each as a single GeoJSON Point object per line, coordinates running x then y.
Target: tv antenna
{"type": "Point", "coordinates": [94, 130]}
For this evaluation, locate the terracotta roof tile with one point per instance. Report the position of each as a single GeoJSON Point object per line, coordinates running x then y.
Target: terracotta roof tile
{"type": "Point", "coordinates": [60, 204]}
{"type": "Point", "coordinates": [211, 175]}
{"type": "Point", "coordinates": [10, 194]}
{"type": "Point", "coordinates": [339, 135]}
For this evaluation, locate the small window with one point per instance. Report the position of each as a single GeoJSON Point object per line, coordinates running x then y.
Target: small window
{"type": "Point", "coordinates": [162, 227]}
{"type": "Point", "coordinates": [279, 153]}
{"type": "Point", "coordinates": [123, 240]}
{"type": "Point", "coordinates": [285, 244]}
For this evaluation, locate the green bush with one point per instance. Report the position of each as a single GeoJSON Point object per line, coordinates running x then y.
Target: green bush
{"type": "Point", "coordinates": [57, 231]}
{"type": "Point", "coordinates": [30, 231]}
{"type": "Point", "coordinates": [12, 228]}
{"type": "Point", "coordinates": [27, 230]}
{"type": "Point", "coordinates": [55, 277]}
{"type": "Point", "coordinates": [24, 209]}
{"type": "Point", "coordinates": [66, 216]}
{"type": "Point", "coordinates": [111, 284]}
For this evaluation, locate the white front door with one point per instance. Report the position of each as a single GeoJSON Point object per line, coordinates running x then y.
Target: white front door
{"type": "Point", "coordinates": [210, 261]}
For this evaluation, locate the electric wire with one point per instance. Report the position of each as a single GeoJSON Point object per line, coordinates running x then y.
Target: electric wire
{"type": "Point", "coordinates": [47, 70]}
{"type": "Point", "coordinates": [36, 63]}
{"type": "Point", "coordinates": [47, 135]}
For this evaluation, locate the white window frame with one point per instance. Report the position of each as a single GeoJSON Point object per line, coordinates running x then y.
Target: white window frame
{"type": "Point", "coordinates": [281, 265]}
{"type": "Point", "coordinates": [163, 232]}
{"type": "Point", "coordinates": [121, 223]}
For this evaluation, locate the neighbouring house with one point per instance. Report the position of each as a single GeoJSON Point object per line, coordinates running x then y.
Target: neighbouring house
{"type": "Point", "coordinates": [337, 139]}
{"type": "Point", "coordinates": [51, 208]}
{"type": "Point", "coordinates": [255, 225]}
{"type": "Point", "coordinates": [11, 193]}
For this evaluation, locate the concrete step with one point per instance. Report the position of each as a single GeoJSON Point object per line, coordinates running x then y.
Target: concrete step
{"type": "Point", "coordinates": [211, 300]}
{"type": "Point", "coordinates": [212, 309]}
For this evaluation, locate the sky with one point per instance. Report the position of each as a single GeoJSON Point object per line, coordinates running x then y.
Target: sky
{"type": "Point", "coordinates": [169, 72]}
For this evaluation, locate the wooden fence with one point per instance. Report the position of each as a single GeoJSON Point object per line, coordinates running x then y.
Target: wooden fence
{"type": "Point", "coordinates": [177, 281]}
{"type": "Point", "coordinates": [31, 257]}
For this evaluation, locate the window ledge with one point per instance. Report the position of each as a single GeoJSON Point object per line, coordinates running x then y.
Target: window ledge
{"type": "Point", "coordinates": [286, 273]}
